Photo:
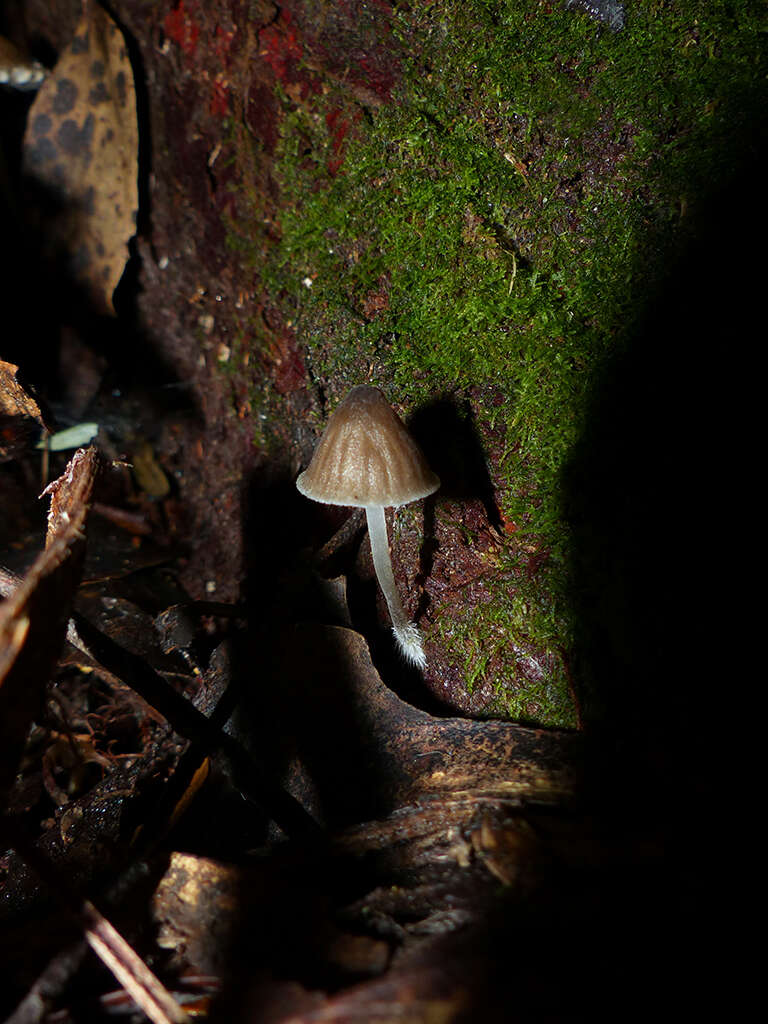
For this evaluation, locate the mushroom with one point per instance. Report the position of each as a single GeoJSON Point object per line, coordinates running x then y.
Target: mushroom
{"type": "Point", "coordinates": [367, 459]}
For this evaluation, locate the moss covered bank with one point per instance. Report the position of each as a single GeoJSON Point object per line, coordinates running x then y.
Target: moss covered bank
{"type": "Point", "coordinates": [477, 219]}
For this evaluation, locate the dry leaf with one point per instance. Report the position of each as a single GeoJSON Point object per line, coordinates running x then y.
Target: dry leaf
{"type": "Point", "coordinates": [20, 418]}
{"type": "Point", "coordinates": [81, 152]}
{"type": "Point", "coordinates": [71, 495]}
{"type": "Point", "coordinates": [33, 620]}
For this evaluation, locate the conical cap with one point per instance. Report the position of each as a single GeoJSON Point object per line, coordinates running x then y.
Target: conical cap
{"type": "Point", "coordinates": [367, 457]}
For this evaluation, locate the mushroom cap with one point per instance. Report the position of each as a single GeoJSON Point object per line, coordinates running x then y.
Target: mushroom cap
{"type": "Point", "coordinates": [366, 457]}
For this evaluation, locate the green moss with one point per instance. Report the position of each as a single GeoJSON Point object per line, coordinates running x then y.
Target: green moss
{"type": "Point", "coordinates": [495, 228]}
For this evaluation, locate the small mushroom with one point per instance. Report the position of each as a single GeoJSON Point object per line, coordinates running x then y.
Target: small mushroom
{"type": "Point", "coordinates": [367, 459]}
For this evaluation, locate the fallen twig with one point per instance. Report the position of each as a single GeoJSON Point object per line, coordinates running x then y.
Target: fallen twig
{"type": "Point", "coordinates": [113, 950]}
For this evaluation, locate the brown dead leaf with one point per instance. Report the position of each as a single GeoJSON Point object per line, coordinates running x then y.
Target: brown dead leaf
{"type": "Point", "coordinates": [20, 418]}
{"type": "Point", "coordinates": [71, 495]}
{"type": "Point", "coordinates": [81, 150]}
{"type": "Point", "coordinates": [33, 620]}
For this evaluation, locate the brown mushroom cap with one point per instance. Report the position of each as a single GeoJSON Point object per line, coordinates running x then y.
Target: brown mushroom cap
{"type": "Point", "coordinates": [366, 457]}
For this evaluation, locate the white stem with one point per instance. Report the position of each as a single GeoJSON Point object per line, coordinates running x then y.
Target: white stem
{"type": "Point", "coordinates": [406, 633]}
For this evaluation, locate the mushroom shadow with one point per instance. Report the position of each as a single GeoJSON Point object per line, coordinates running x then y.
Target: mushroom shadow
{"type": "Point", "coordinates": [446, 432]}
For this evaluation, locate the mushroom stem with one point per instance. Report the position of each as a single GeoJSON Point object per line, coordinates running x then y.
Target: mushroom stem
{"type": "Point", "coordinates": [406, 633]}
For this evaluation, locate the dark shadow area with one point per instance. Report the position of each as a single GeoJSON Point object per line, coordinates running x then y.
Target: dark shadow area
{"type": "Point", "coordinates": [282, 531]}
{"type": "Point", "coordinates": [653, 494]}
{"type": "Point", "coordinates": [447, 435]}
{"type": "Point", "coordinates": [652, 488]}
{"type": "Point", "coordinates": [309, 719]}
{"type": "Point", "coordinates": [25, 294]}
{"type": "Point", "coordinates": [285, 712]}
